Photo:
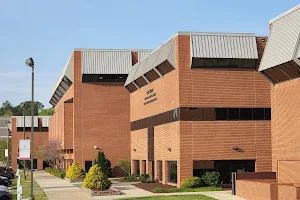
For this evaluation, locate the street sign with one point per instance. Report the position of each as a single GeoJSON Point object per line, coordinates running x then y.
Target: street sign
{"type": "Point", "coordinates": [6, 152]}
{"type": "Point", "coordinates": [24, 150]}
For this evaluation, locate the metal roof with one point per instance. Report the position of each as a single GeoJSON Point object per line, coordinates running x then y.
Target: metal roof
{"type": "Point", "coordinates": [20, 121]}
{"type": "Point", "coordinates": [64, 81]}
{"type": "Point", "coordinates": [143, 54]}
{"type": "Point", "coordinates": [283, 43]}
{"type": "Point", "coordinates": [165, 52]}
{"type": "Point", "coordinates": [106, 62]}
{"type": "Point", "coordinates": [224, 45]}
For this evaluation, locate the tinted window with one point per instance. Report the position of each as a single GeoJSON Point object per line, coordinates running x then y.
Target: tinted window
{"type": "Point", "coordinates": [233, 113]}
{"type": "Point", "coordinates": [246, 113]}
{"type": "Point", "coordinates": [267, 113]}
{"type": "Point", "coordinates": [221, 113]}
{"type": "Point", "coordinates": [258, 113]}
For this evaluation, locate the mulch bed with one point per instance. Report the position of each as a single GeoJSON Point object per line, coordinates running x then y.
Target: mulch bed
{"type": "Point", "coordinates": [150, 186]}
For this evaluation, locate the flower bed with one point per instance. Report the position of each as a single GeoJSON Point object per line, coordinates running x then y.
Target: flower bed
{"type": "Point", "coordinates": [108, 192]}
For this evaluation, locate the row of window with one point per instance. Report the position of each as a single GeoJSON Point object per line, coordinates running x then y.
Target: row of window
{"type": "Point", "coordinates": [36, 129]}
{"type": "Point", "coordinates": [243, 114]}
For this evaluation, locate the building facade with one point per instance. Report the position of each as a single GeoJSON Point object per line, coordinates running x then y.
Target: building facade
{"type": "Point", "coordinates": [17, 134]}
{"type": "Point", "coordinates": [197, 103]}
{"type": "Point", "coordinates": [91, 106]}
{"type": "Point", "coordinates": [281, 66]}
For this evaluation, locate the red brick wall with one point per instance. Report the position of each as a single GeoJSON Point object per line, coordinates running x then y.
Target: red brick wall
{"type": "Point", "coordinates": [40, 138]}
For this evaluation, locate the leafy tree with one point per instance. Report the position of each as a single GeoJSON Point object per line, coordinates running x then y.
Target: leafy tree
{"type": "Point", "coordinates": [96, 179]}
{"type": "Point", "coordinates": [8, 113]}
{"type": "Point", "coordinates": [49, 152]}
{"type": "Point", "coordinates": [46, 112]}
{"type": "Point", "coordinates": [125, 165]}
{"type": "Point", "coordinates": [104, 164]}
{"type": "Point", "coordinates": [6, 107]}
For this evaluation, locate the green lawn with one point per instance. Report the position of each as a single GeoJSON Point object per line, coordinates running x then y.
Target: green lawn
{"type": "Point", "coordinates": [200, 189]}
{"type": "Point", "coordinates": [175, 197]}
{"type": "Point", "coordinates": [37, 191]}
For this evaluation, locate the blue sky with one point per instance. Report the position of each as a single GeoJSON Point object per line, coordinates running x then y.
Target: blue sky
{"type": "Point", "coordinates": [48, 31]}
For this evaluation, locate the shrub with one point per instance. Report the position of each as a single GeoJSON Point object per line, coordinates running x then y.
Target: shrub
{"type": "Point", "coordinates": [191, 182]}
{"type": "Point", "coordinates": [131, 177]}
{"type": "Point", "coordinates": [74, 172]}
{"type": "Point", "coordinates": [144, 177]}
{"type": "Point", "coordinates": [159, 190]}
{"type": "Point", "coordinates": [55, 172]}
{"type": "Point", "coordinates": [241, 170]}
{"type": "Point", "coordinates": [104, 164]}
{"type": "Point", "coordinates": [96, 179]}
{"type": "Point", "coordinates": [211, 178]}
{"type": "Point", "coordinates": [125, 165]}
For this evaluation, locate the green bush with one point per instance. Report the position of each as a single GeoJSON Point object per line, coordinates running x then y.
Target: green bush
{"type": "Point", "coordinates": [241, 170]}
{"type": "Point", "coordinates": [55, 172]}
{"type": "Point", "coordinates": [125, 165]}
{"type": "Point", "coordinates": [75, 171]}
{"type": "Point", "coordinates": [96, 179]}
{"type": "Point", "coordinates": [191, 182]}
{"type": "Point", "coordinates": [211, 178]}
{"type": "Point", "coordinates": [104, 163]}
{"type": "Point", "coordinates": [131, 177]}
{"type": "Point", "coordinates": [159, 190]}
{"type": "Point", "coordinates": [144, 177]}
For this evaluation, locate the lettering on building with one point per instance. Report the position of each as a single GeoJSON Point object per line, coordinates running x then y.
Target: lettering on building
{"type": "Point", "coordinates": [151, 97]}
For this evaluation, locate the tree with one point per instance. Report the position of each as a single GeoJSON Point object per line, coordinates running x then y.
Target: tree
{"type": "Point", "coordinates": [125, 165]}
{"type": "Point", "coordinates": [96, 179]}
{"type": "Point", "coordinates": [8, 113]}
{"type": "Point", "coordinates": [6, 107]}
{"type": "Point", "coordinates": [46, 112]}
{"type": "Point", "coordinates": [75, 171]}
{"type": "Point", "coordinates": [104, 164]}
{"type": "Point", "coordinates": [49, 152]}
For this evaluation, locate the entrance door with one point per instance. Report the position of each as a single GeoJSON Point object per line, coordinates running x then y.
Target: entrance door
{"type": "Point", "coordinates": [88, 165]}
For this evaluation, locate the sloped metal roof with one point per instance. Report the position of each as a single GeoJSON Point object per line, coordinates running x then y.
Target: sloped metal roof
{"type": "Point", "coordinates": [165, 52]}
{"type": "Point", "coordinates": [20, 121]}
{"type": "Point", "coordinates": [224, 45]}
{"type": "Point", "coordinates": [283, 43]}
{"type": "Point", "coordinates": [143, 54]}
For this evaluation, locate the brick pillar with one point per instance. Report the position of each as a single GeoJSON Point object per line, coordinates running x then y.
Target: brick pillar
{"type": "Point", "coordinates": [165, 172]}
{"type": "Point", "coordinates": [184, 170]}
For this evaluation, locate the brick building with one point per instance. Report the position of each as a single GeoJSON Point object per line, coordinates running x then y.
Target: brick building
{"type": "Point", "coordinates": [17, 134]}
{"type": "Point", "coordinates": [281, 66]}
{"type": "Point", "coordinates": [91, 106]}
{"type": "Point", "coordinates": [197, 103]}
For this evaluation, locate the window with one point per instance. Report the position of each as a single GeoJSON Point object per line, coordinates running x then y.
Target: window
{"type": "Point", "coordinates": [267, 113]}
{"type": "Point", "coordinates": [136, 165]}
{"type": "Point", "coordinates": [88, 165]}
{"type": "Point", "coordinates": [172, 167]}
{"type": "Point", "coordinates": [258, 113]}
{"type": "Point", "coordinates": [221, 113]}
{"type": "Point", "coordinates": [159, 170]}
{"type": "Point", "coordinates": [246, 113]}
{"type": "Point", "coordinates": [233, 114]}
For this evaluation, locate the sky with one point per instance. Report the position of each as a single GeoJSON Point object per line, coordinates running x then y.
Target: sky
{"type": "Point", "coordinates": [48, 31]}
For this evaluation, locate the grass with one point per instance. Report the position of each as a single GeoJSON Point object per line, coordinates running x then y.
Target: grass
{"type": "Point", "coordinates": [200, 189]}
{"type": "Point", "coordinates": [175, 197]}
{"type": "Point", "coordinates": [37, 190]}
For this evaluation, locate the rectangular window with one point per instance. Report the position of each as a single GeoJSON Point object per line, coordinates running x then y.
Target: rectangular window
{"type": "Point", "coordinates": [267, 113]}
{"type": "Point", "coordinates": [246, 113]}
{"type": "Point", "coordinates": [136, 165]}
{"type": "Point", "coordinates": [172, 167]}
{"type": "Point", "coordinates": [221, 113]}
{"type": "Point", "coordinates": [159, 170]}
{"type": "Point", "coordinates": [88, 165]}
{"type": "Point", "coordinates": [233, 114]}
{"type": "Point", "coordinates": [208, 114]}
{"type": "Point", "coordinates": [258, 113]}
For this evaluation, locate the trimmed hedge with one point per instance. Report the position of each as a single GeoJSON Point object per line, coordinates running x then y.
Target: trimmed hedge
{"type": "Point", "coordinates": [55, 172]}
{"type": "Point", "coordinates": [191, 182]}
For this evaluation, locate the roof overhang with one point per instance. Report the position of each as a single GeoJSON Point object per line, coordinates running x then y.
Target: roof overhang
{"type": "Point", "coordinates": [280, 61]}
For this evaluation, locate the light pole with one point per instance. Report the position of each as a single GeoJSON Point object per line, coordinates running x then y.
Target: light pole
{"type": "Point", "coordinates": [30, 63]}
{"type": "Point", "coordinates": [7, 161]}
{"type": "Point", "coordinates": [24, 162]}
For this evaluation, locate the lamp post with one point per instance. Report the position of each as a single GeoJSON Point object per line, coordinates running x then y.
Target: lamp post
{"type": "Point", "coordinates": [7, 161]}
{"type": "Point", "coordinates": [24, 162]}
{"type": "Point", "coordinates": [30, 63]}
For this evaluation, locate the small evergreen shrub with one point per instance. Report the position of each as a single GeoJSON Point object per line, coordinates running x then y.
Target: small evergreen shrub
{"type": "Point", "coordinates": [104, 163]}
{"type": "Point", "coordinates": [55, 172]}
{"type": "Point", "coordinates": [159, 190]}
{"type": "Point", "coordinates": [74, 172]}
{"type": "Point", "coordinates": [211, 178]}
{"type": "Point", "coordinates": [96, 179]}
{"type": "Point", "coordinates": [131, 177]}
{"type": "Point", "coordinates": [191, 182]}
{"type": "Point", "coordinates": [144, 177]}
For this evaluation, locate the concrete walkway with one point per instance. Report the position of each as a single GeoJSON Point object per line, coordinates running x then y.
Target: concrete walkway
{"type": "Point", "coordinates": [58, 189]}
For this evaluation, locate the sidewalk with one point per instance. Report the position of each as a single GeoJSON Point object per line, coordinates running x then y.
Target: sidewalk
{"type": "Point", "coordinates": [58, 189]}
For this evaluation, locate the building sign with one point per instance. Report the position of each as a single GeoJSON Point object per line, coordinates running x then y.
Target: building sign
{"type": "Point", "coordinates": [24, 150]}
{"type": "Point", "coordinates": [151, 96]}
